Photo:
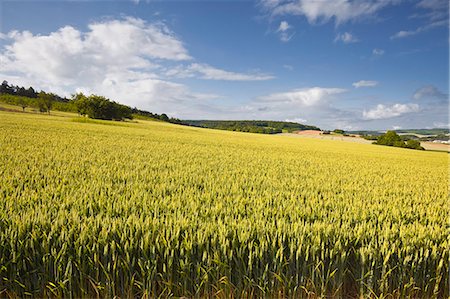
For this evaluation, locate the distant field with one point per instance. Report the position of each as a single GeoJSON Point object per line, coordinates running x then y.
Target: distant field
{"type": "Point", "coordinates": [436, 146]}
{"type": "Point", "coordinates": [316, 134]}
{"type": "Point", "coordinates": [98, 208]}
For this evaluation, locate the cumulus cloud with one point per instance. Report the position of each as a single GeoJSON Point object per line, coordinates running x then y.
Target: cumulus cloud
{"type": "Point", "coordinates": [378, 52]}
{"type": "Point", "coordinates": [339, 10]}
{"type": "Point", "coordinates": [124, 48]}
{"type": "Point", "coordinates": [346, 38]}
{"type": "Point", "coordinates": [365, 83]}
{"type": "Point", "coordinates": [384, 112]}
{"type": "Point", "coordinates": [305, 96]}
{"type": "Point", "coordinates": [317, 105]}
{"type": "Point", "coordinates": [284, 26]}
{"type": "Point", "coordinates": [205, 71]}
{"type": "Point", "coordinates": [429, 92]}
{"type": "Point", "coordinates": [125, 59]}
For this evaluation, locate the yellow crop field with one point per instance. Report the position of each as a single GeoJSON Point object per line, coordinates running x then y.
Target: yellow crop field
{"type": "Point", "coordinates": [148, 209]}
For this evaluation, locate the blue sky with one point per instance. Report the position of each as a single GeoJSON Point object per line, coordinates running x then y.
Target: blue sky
{"type": "Point", "coordinates": [335, 64]}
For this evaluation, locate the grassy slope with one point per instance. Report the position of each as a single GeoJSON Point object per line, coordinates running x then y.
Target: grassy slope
{"type": "Point", "coordinates": [9, 107]}
{"type": "Point", "coordinates": [69, 190]}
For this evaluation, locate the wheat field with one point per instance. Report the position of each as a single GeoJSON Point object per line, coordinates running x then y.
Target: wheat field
{"type": "Point", "coordinates": [148, 209]}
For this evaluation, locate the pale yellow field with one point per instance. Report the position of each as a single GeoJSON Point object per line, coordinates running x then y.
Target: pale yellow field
{"type": "Point", "coordinates": [426, 145]}
{"type": "Point", "coordinates": [155, 209]}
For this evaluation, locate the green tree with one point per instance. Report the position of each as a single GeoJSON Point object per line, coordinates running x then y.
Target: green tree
{"type": "Point", "coordinates": [45, 100]}
{"type": "Point", "coordinates": [389, 138]}
{"type": "Point", "coordinates": [400, 143]}
{"type": "Point", "coordinates": [414, 144]}
{"type": "Point", "coordinates": [41, 105]}
{"type": "Point", "coordinates": [99, 107]}
{"type": "Point", "coordinates": [81, 103]}
{"type": "Point", "coordinates": [164, 117]}
{"type": "Point", "coordinates": [22, 102]}
{"type": "Point", "coordinates": [5, 88]}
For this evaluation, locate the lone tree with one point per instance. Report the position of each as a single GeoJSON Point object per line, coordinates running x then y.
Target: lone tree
{"type": "Point", "coordinates": [45, 101]}
{"type": "Point", "coordinates": [81, 102]}
{"type": "Point", "coordinates": [22, 103]}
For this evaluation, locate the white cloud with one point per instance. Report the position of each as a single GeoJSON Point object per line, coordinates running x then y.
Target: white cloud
{"type": "Point", "coordinates": [429, 92]}
{"type": "Point", "coordinates": [115, 58]}
{"type": "Point", "coordinates": [296, 120]}
{"type": "Point", "coordinates": [125, 60]}
{"type": "Point", "coordinates": [212, 73]}
{"type": "Point", "coordinates": [68, 56]}
{"type": "Point", "coordinates": [383, 112]}
{"type": "Point", "coordinates": [365, 83]}
{"type": "Point", "coordinates": [437, 9]}
{"type": "Point", "coordinates": [339, 10]}
{"type": "Point", "coordinates": [346, 38]}
{"type": "Point", "coordinates": [396, 127]}
{"type": "Point", "coordinates": [205, 71]}
{"type": "Point", "coordinates": [343, 125]}
{"type": "Point", "coordinates": [432, 25]}
{"type": "Point", "coordinates": [284, 26]}
{"type": "Point", "coordinates": [136, 37]}
{"type": "Point", "coordinates": [403, 33]}
{"type": "Point", "coordinates": [441, 125]}
{"type": "Point", "coordinates": [284, 31]}
{"type": "Point", "coordinates": [284, 37]}
{"type": "Point", "coordinates": [269, 4]}
{"type": "Point", "coordinates": [377, 52]}
{"type": "Point", "coordinates": [433, 4]}
{"type": "Point", "coordinates": [304, 97]}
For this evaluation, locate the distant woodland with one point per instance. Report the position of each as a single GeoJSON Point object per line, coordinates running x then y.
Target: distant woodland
{"type": "Point", "coordinates": [252, 126]}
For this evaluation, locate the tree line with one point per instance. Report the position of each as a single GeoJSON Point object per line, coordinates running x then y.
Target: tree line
{"type": "Point", "coordinates": [252, 126]}
{"type": "Point", "coordinates": [391, 138]}
{"type": "Point", "coordinates": [99, 107]}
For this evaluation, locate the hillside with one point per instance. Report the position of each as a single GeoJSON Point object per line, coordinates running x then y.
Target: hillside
{"type": "Point", "coordinates": [252, 126]}
{"type": "Point", "coordinates": [435, 131]}
{"type": "Point", "coordinates": [147, 208]}
{"type": "Point", "coordinates": [99, 107]}
{"type": "Point", "coordinates": [430, 132]}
